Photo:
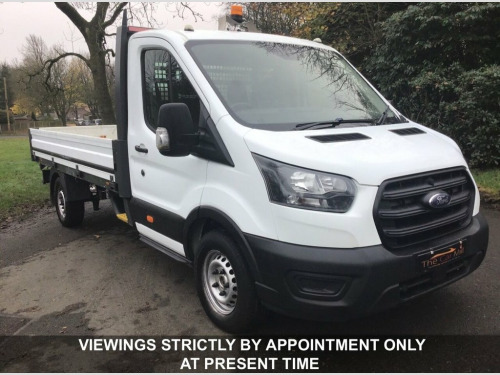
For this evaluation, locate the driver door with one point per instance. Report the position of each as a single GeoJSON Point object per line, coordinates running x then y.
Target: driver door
{"type": "Point", "coordinates": [164, 189]}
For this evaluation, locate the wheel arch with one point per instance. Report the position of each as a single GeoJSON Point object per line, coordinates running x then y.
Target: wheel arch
{"type": "Point", "coordinates": [205, 219]}
{"type": "Point", "coordinates": [77, 189]}
{"type": "Point", "coordinates": [54, 174]}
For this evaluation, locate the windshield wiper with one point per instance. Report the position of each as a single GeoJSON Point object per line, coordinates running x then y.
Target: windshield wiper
{"type": "Point", "coordinates": [384, 116]}
{"type": "Point", "coordinates": [331, 124]}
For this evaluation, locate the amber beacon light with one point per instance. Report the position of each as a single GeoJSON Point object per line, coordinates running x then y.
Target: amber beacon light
{"type": "Point", "coordinates": [237, 13]}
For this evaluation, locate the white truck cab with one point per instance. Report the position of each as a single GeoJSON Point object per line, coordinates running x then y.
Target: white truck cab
{"type": "Point", "coordinates": [277, 171]}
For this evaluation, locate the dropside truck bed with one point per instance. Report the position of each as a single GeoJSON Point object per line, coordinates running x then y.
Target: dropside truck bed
{"type": "Point", "coordinates": [87, 150]}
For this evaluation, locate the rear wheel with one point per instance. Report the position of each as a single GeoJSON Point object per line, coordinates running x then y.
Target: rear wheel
{"type": "Point", "coordinates": [224, 285]}
{"type": "Point", "coordinates": [70, 213]}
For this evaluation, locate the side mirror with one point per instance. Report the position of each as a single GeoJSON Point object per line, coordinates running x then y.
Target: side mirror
{"type": "Point", "coordinates": [176, 134]}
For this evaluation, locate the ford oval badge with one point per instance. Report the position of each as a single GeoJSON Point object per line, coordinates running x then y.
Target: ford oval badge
{"type": "Point", "coordinates": [437, 199]}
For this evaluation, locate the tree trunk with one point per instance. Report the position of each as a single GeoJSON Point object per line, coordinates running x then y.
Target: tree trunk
{"type": "Point", "coordinates": [94, 33]}
{"type": "Point", "coordinates": [60, 110]}
{"type": "Point", "coordinates": [97, 64]}
{"type": "Point", "coordinates": [101, 90]}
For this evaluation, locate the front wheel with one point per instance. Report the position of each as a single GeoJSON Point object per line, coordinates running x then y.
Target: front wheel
{"type": "Point", "coordinates": [224, 285]}
{"type": "Point", "coordinates": [70, 213]}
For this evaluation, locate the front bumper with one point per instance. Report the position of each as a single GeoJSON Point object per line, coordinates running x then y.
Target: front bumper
{"type": "Point", "coordinates": [341, 284]}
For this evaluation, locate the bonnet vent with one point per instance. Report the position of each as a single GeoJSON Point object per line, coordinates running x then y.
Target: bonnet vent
{"type": "Point", "coordinates": [339, 137]}
{"type": "Point", "coordinates": [408, 131]}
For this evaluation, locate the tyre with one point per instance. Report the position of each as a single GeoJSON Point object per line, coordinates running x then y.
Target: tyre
{"type": "Point", "coordinates": [70, 213]}
{"type": "Point", "coordinates": [224, 284]}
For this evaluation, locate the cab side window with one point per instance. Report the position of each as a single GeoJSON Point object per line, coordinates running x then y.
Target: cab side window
{"type": "Point", "coordinates": [165, 82]}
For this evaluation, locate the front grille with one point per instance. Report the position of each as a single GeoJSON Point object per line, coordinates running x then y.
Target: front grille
{"type": "Point", "coordinates": [404, 219]}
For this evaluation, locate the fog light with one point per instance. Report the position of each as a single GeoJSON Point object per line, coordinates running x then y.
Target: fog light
{"type": "Point", "coordinates": [318, 286]}
{"type": "Point", "coordinates": [331, 287]}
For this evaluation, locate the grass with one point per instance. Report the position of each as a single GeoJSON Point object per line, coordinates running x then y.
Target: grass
{"type": "Point", "coordinates": [22, 191]}
{"type": "Point", "coordinates": [488, 182]}
{"type": "Point", "coordinates": [21, 187]}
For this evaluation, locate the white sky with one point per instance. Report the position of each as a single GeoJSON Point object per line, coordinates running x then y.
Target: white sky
{"type": "Point", "coordinates": [18, 20]}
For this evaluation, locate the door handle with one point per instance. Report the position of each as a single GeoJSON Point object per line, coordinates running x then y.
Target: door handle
{"type": "Point", "coordinates": [141, 148]}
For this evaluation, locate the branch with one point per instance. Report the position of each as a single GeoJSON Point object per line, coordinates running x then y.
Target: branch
{"type": "Point", "coordinates": [74, 17]}
{"type": "Point", "coordinates": [66, 54]}
{"type": "Point", "coordinates": [183, 5]}
{"type": "Point", "coordinates": [100, 13]}
{"type": "Point", "coordinates": [115, 15]}
{"type": "Point", "coordinates": [50, 63]}
{"type": "Point", "coordinates": [109, 50]}
{"type": "Point", "coordinates": [145, 10]}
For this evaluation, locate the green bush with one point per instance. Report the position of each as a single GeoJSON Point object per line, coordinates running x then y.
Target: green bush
{"type": "Point", "coordinates": [473, 118]}
{"type": "Point", "coordinates": [439, 63]}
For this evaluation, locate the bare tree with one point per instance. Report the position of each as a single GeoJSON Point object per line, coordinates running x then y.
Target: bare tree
{"type": "Point", "coordinates": [85, 85]}
{"type": "Point", "coordinates": [94, 31]}
{"type": "Point", "coordinates": [31, 93]}
{"type": "Point", "coordinates": [37, 90]}
{"type": "Point", "coordinates": [62, 88]}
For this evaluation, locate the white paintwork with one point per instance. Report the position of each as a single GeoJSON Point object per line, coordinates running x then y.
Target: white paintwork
{"type": "Point", "coordinates": [94, 131]}
{"type": "Point", "coordinates": [369, 162]}
{"type": "Point", "coordinates": [354, 228]}
{"type": "Point", "coordinates": [239, 192]}
{"type": "Point", "coordinates": [174, 184]}
{"type": "Point", "coordinates": [91, 144]}
{"type": "Point", "coordinates": [83, 168]}
{"type": "Point", "coordinates": [161, 239]}
{"type": "Point", "coordinates": [180, 185]}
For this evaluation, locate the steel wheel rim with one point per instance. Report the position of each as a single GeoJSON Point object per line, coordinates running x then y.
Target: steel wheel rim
{"type": "Point", "coordinates": [219, 283]}
{"type": "Point", "coordinates": [61, 203]}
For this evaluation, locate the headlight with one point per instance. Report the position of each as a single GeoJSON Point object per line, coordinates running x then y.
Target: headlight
{"type": "Point", "coordinates": [304, 188]}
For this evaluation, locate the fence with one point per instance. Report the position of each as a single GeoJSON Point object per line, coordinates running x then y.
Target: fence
{"type": "Point", "coordinates": [21, 127]}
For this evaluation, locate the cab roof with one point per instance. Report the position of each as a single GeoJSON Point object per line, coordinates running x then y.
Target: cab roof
{"type": "Point", "coordinates": [183, 36]}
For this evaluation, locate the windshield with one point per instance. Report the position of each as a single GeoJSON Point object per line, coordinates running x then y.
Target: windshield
{"type": "Point", "coordinates": [277, 86]}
